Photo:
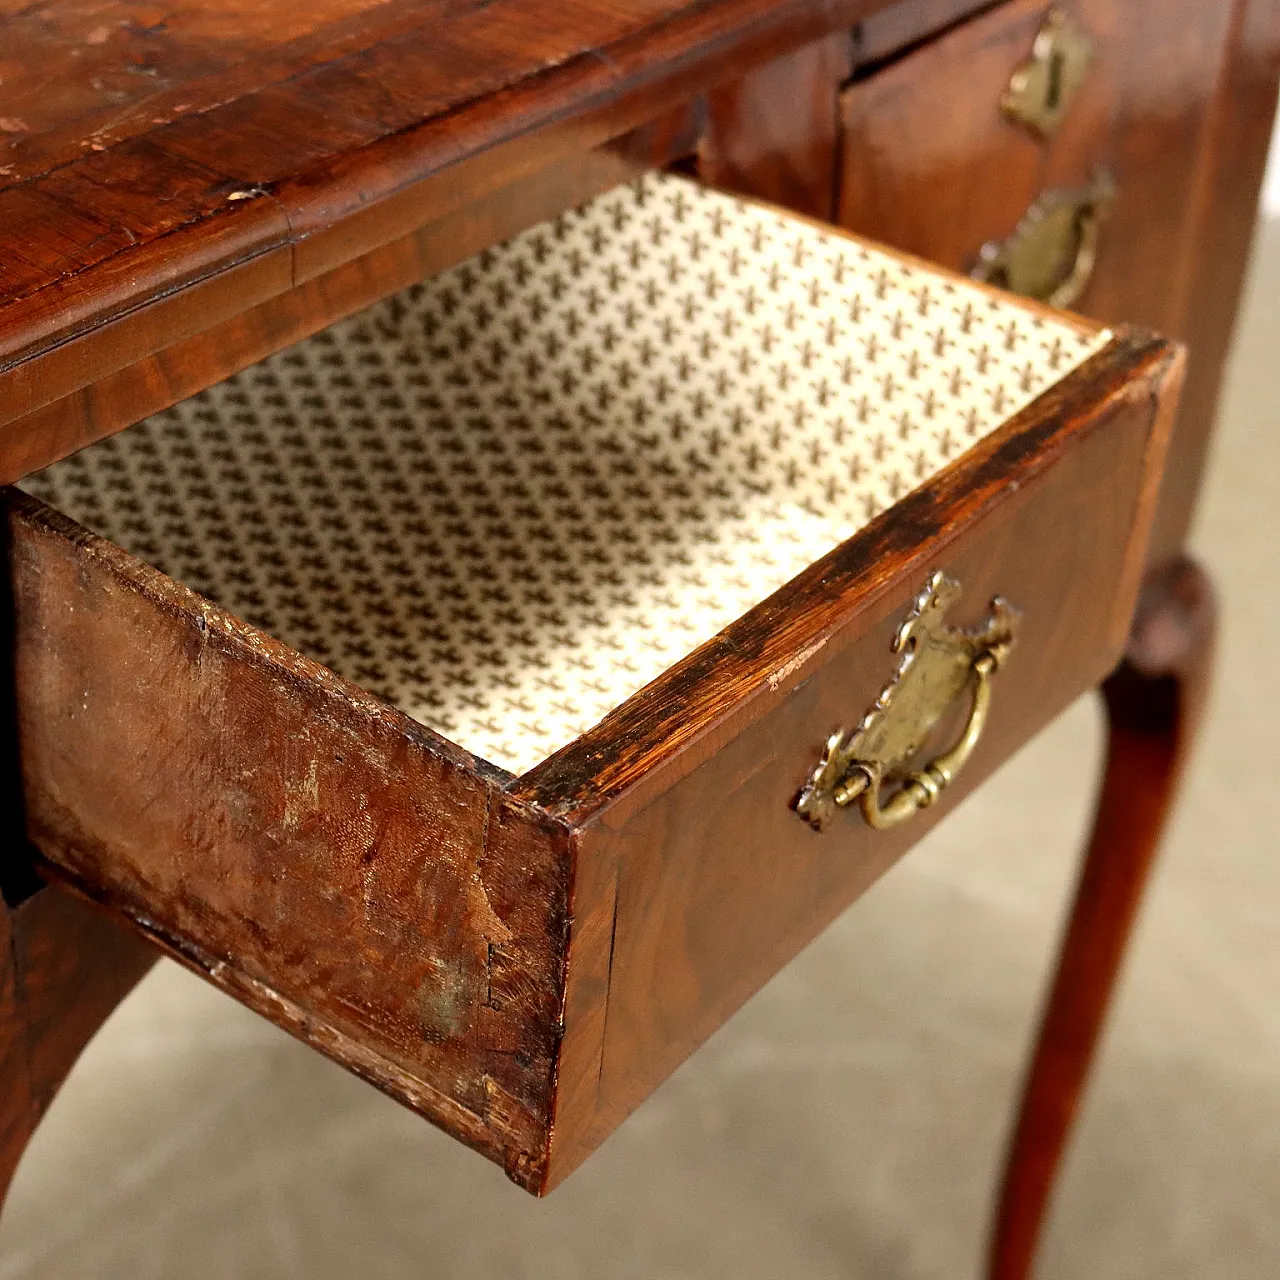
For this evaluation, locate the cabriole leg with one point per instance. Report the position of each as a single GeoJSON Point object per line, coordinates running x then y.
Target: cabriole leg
{"type": "Point", "coordinates": [1153, 704]}
{"type": "Point", "coordinates": [64, 967]}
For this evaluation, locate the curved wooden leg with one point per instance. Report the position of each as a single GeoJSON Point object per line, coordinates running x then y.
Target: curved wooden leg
{"type": "Point", "coordinates": [1153, 702]}
{"type": "Point", "coordinates": [64, 966]}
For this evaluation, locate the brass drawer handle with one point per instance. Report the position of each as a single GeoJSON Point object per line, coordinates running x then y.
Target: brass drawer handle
{"type": "Point", "coordinates": [1042, 89]}
{"type": "Point", "coordinates": [938, 663]}
{"type": "Point", "coordinates": [1053, 250]}
{"type": "Point", "coordinates": [921, 789]}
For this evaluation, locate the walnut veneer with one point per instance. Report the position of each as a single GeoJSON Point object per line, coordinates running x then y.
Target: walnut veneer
{"type": "Point", "coordinates": [180, 199]}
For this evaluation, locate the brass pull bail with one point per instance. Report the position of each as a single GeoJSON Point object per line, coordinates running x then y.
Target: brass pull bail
{"type": "Point", "coordinates": [937, 663]}
{"type": "Point", "coordinates": [921, 789]}
{"type": "Point", "coordinates": [1053, 251]}
{"type": "Point", "coordinates": [1043, 88]}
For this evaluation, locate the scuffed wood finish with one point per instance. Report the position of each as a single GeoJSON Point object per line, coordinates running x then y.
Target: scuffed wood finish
{"type": "Point", "coordinates": [1154, 704]}
{"type": "Point", "coordinates": [1178, 104]}
{"type": "Point", "coordinates": [702, 881]}
{"type": "Point", "coordinates": [522, 960]}
{"type": "Point", "coordinates": [273, 147]}
{"type": "Point", "coordinates": [63, 968]}
{"type": "Point", "coordinates": [215, 338]}
{"type": "Point", "coordinates": [330, 862]}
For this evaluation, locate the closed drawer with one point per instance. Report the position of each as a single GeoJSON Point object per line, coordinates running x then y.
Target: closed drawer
{"type": "Point", "coordinates": [945, 154]}
{"type": "Point", "coordinates": [493, 772]}
{"type": "Point", "coordinates": [1097, 182]}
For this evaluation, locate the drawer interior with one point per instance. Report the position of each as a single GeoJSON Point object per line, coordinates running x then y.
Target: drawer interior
{"type": "Point", "coordinates": [508, 498]}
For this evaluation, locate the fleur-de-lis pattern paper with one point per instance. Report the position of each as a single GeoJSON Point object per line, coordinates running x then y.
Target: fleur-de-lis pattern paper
{"type": "Point", "coordinates": [508, 498]}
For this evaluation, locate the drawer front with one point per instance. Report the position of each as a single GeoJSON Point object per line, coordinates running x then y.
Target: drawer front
{"type": "Point", "coordinates": [932, 164]}
{"type": "Point", "coordinates": [522, 958]}
{"type": "Point", "coordinates": [701, 880]}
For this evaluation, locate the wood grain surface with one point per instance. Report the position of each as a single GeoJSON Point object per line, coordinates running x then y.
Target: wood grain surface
{"type": "Point", "coordinates": [331, 863]}
{"type": "Point", "coordinates": [1178, 105]}
{"type": "Point", "coordinates": [152, 358]}
{"type": "Point", "coordinates": [163, 172]}
{"type": "Point", "coordinates": [524, 960]}
{"type": "Point", "coordinates": [895, 32]}
{"type": "Point", "coordinates": [1225, 190]}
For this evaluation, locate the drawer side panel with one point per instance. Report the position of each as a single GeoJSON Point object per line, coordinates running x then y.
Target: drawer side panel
{"type": "Point", "coordinates": [308, 849]}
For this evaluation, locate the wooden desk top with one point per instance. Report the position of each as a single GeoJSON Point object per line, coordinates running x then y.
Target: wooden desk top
{"type": "Point", "coordinates": [163, 169]}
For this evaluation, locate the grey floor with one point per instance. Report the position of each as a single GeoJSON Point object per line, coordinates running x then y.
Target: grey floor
{"type": "Point", "coordinates": [848, 1123]}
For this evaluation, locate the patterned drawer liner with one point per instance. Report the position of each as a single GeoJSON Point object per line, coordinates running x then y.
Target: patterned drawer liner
{"type": "Point", "coordinates": [506, 499]}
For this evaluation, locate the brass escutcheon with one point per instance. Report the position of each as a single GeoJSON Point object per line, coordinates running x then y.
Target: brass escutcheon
{"type": "Point", "coordinates": [937, 664]}
{"type": "Point", "coordinates": [1053, 250]}
{"type": "Point", "coordinates": [1042, 88]}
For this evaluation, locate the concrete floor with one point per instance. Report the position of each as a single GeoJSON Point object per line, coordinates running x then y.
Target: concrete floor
{"type": "Point", "coordinates": [849, 1122]}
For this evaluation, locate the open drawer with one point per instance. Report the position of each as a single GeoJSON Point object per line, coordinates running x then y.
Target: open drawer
{"type": "Point", "coordinates": [495, 772]}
